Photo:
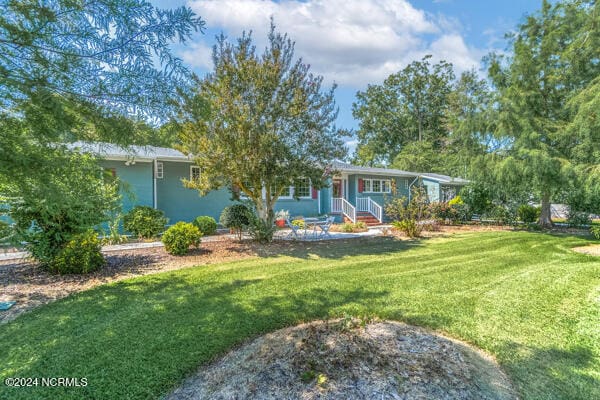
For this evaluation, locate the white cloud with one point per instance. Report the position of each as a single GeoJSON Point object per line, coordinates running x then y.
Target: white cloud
{"type": "Point", "coordinates": [351, 42]}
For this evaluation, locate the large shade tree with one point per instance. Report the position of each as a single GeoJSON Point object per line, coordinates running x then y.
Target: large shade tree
{"type": "Point", "coordinates": [260, 123]}
{"type": "Point", "coordinates": [544, 87]}
{"type": "Point", "coordinates": [408, 107]}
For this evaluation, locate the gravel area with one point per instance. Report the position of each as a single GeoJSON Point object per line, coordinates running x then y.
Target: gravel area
{"type": "Point", "coordinates": [350, 359]}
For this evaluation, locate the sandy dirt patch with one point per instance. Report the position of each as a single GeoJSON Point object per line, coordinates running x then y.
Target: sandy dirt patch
{"type": "Point", "coordinates": [350, 359]}
{"type": "Point", "coordinates": [592, 249]}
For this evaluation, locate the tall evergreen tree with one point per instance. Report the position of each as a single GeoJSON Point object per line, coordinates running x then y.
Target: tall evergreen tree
{"type": "Point", "coordinates": [535, 85]}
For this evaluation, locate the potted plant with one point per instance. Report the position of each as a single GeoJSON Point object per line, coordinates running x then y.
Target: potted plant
{"type": "Point", "coordinates": [280, 217]}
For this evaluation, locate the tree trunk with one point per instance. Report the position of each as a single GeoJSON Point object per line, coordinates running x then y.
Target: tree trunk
{"type": "Point", "coordinates": [545, 220]}
{"type": "Point", "coordinates": [264, 211]}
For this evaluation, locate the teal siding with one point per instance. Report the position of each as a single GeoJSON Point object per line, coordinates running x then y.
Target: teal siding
{"type": "Point", "coordinates": [137, 182]}
{"type": "Point", "coordinates": [352, 188]}
{"type": "Point", "coordinates": [301, 207]}
{"type": "Point", "coordinates": [182, 204]}
{"type": "Point", "coordinates": [434, 191]}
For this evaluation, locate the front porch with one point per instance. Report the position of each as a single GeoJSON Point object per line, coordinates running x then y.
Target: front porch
{"type": "Point", "coordinates": [366, 210]}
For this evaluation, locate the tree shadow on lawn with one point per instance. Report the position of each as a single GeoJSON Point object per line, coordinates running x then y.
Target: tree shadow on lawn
{"type": "Point", "coordinates": [139, 339]}
{"type": "Point", "coordinates": [338, 248]}
{"type": "Point", "coordinates": [538, 372]}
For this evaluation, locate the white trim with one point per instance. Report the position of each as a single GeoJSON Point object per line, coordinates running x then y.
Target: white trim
{"type": "Point", "coordinates": [159, 169]}
{"type": "Point", "coordinates": [192, 168]}
{"type": "Point", "coordinates": [293, 191]}
{"type": "Point", "coordinates": [389, 185]}
{"type": "Point", "coordinates": [154, 188]}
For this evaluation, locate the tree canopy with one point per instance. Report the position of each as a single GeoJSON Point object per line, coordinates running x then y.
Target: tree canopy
{"type": "Point", "coordinates": [80, 70]}
{"type": "Point", "coordinates": [541, 87]}
{"type": "Point", "coordinates": [260, 123]}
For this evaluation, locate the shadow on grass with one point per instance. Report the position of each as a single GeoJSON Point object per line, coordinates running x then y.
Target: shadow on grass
{"type": "Point", "coordinates": [338, 248]}
{"type": "Point", "coordinates": [538, 371]}
{"type": "Point", "coordinates": [138, 339]}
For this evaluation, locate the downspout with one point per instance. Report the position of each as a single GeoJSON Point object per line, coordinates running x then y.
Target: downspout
{"type": "Point", "coordinates": [319, 201]}
{"type": "Point", "coordinates": [410, 186]}
{"type": "Point", "coordinates": [154, 191]}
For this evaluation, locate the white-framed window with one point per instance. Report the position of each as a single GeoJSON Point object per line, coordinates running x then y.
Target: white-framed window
{"type": "Point", "coordinates": [377, 186]}
{"type": "Point", "coordinates": [406, 184]}
{"type": "Point", "coordinates": [286, 193]}
{"type": "Point", "coordinates": [159, 170]}
{"type": "Point", "coordinates": [194, 173]}
{"type": "Point", "coordinates": [303, 188]}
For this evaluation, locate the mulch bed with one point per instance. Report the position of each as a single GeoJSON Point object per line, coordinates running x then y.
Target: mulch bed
{"type": "Point", "coordinates": [350, 359]}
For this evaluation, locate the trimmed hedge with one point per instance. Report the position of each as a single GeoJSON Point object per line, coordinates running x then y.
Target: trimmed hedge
{"type": "Point", "coordinates": [180, 237]}
{"type": "Point", "coordinates": [144, 222]}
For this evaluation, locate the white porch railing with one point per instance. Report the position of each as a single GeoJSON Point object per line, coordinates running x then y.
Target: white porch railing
{"type": "Point", "coordinates": [336, 205]}
{"type": "Point", "coordinates": [362, 203]}
{"type": "Point", "coordinates": [375, 209]}
{"type": "Point", "coordinates": [349, 210]}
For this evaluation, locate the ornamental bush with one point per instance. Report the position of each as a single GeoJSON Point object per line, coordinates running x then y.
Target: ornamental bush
{"type": "Point", "coordinates": [444, 212]}
{"type": "Point", "coordinates": [144, 222]}
{"type": "Point", "coordinates": [236, 217]}
{"type": "Point", "coordinates": [178, 238]}
{"type": "Point", "coordinates": [206, 224]}
{"type": "Point", "coordinates": [261, 231]}
{"type": "Point", "coordinates": [409, 227]}
{"type": "Point", "coordinates": [595, 231]}
{"type": "Point", "coordinates": [79, 255]}
{"type": "Point", "coordinates": [578, 218]}
{"type": "Point", "coordinates": [527, 213]}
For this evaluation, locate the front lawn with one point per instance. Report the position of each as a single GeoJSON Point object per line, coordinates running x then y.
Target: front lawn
{"type": "Point", "coordinates": [523, 297]}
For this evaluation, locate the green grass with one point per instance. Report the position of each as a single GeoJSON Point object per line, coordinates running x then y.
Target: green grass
{"type": "Point", "coordinates": [523, 297]}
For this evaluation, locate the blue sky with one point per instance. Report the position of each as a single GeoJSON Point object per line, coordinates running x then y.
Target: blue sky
{"type": "Point", "coordinates": [357, 42]}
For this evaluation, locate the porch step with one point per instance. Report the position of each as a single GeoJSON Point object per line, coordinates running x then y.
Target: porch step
{"type": "Point", "coordinates": [367, 218]}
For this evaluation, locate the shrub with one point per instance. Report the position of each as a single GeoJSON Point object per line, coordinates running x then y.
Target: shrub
{"type": "Point", "coordinates": [236, 217]}
{"type": "Point", "coordinates": [79, 255]}
{"type": "Point", "coordinates": [457, 200]}
{"type": "Point", "coordinates": [180, 237]}
{"type": "Point", "coordinates": [261, 231]}
{"type": "Point", "coordinates": [113, 236]}
{"type": "Point", "coordinates": [443, 212]}
{"type": "Point", "coordinates": [477, 197]}
{"type": "Point", "coordinates": [463, 212]}
{"type": "Point", "coordinates": [144, 222]}
{"type": "Point", "coordinates": [299, 223]}
{"type": "Point", "coordinates": [595, 231]}
{"type": "Point", "coordinates": [206, 224]}
{"type": "Point", "coordinates": [501, 215]}
{"type": "Point", "coordinates": [578, 218]}
{"type": "Point", "coordinates": [5, 232]}
{"type": "Point", "coordinates": [527, 213]}
{"type": "Point", "coordinates": [409, 227]}
{"type": "Point", "coordinates": [349, 227]}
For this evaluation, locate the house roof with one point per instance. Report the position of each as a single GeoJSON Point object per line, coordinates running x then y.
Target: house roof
{"type": "Point", "coordinates": [148, 153]}
{"type": "Point", "coordinates": [445, 179]}
{"type": "Point", "coordinates": [113, 151]}
{"type": "Point", "coordinates": [345, 167]}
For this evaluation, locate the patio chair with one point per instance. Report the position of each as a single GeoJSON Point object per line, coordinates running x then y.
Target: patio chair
{"type": "Point", "coordinates": [294, 229]}
{"type": "Point", "coordinates": [325, 228]}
